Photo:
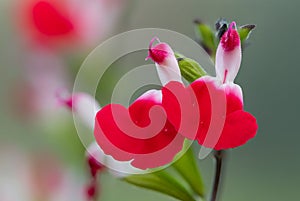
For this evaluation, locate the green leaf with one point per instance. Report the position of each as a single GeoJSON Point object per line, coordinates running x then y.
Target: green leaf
{"type": "Point", "coordinates": [245, 31]}
{"type": "Point", "coordinates": [188, 169]}
{"type": "Point", "coordinates": [207, 37]}
{"type": "Point", "coordinates": [189, 68]}
{"type": "Point", "coordinates": [162, 182]}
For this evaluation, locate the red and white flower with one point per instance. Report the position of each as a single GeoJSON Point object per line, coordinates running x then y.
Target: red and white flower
{"type": "Point", "coordinates": [223, 123]}
{"type": "Point", "coordinates": [60, 23]}
{"type": "Point", "coordinates": [142, 133]}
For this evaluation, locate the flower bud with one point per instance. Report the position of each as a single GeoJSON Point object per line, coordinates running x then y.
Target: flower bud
{"type": "Point", "coordinates": [189, 68]}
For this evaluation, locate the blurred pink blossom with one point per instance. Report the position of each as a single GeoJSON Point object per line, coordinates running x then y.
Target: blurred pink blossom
{"type": "Point", "coordinates": [65, 23]}
{"type": "Point", "coordinates": [30, 177]}
{"type": "Point", "coordinates": [44, 73]}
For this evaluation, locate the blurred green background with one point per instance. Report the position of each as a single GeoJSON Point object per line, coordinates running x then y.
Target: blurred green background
{"type": "Point", "coordinates": [266, 169]}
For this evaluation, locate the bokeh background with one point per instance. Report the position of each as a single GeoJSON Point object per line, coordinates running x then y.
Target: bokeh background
{"type": "Point", "coordinates": [39, 147]}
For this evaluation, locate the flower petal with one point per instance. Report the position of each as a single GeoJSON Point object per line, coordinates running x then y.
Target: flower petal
{"type": "Point", "coordinates": [118, 169]}
{"type": "Point", "coordinates": [181, 106]}
{"type": "Point", "coordinates": [234, 96]}
{"type": "Point", "coordinates": [140, 133]}
{"type": "Point", "coordinates": [239, 128]}
{"type": "Point", "coordinates": [212, 103]}
{"type": "Point", "coordinates": [200, 111]}
{"type": "Point", "coordinates": [51, 19]}
{"type": "Point", "coordinates": [83, 105]}
{"type": "Point", "coordinates": [166, 62]}
{"type": "Point", "coordinates": [229, 55]}
{"type": "Point", "coordinates": [223, 123]}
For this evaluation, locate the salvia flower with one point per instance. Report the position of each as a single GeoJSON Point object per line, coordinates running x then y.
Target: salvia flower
{"type": "Point", "coordinates": [238, 126]}
{"type": "Point", "coordinates": [223, 123]}
{"type": "Point", "coordinates": [60, 23]}
{"type": "Point", "coordinates": [141, 133]}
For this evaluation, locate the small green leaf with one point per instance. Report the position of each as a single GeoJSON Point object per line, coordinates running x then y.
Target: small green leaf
{"type": "Point", "coordinates": [245, 31]}
{"type": "Point", "coordinates": [162, 182]}
{"type": "Point", "coordinates": [189, 68]}
{"type": "Point", "coordinates": [207, 37]}
{"type": "Point", "coordinates": [188, 169]}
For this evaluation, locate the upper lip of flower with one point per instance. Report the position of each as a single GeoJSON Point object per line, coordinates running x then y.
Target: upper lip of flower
{"type": "Point", "coordinates": [230, 38]}
{"type": "Point", "coordinates": [228, 55]}
{"type": "Point", "coordinates": [159, 52]}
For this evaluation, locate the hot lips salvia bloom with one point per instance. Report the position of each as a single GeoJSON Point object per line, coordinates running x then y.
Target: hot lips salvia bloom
{"type": "Point", "coordinates": [142, 132]}
{"type": "Point", "coordinates": [223, 123]}
{"type": "Point", "coordinates": [65, 22]}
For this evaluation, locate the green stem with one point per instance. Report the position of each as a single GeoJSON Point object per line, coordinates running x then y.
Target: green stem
{"type": "Point", "coordinates": [219, 157]}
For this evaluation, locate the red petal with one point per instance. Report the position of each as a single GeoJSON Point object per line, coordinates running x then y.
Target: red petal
{"type": "Point", "coordinates": [234, 98]}
{"type": "Point", "coordinates": [181, 106]}
{"type": "Point", "coordinates": [212, 105]}
{"type": "Point", "coordinates": [50, 20]}
{"type": "Point", "coordinates": [222, 118]}
{"type": "Point", "coordinates": [223, 123]}
{"type": "Point", "coordinates": [142, 134]}
{"type": "Point", "coordinates": [239, 128]}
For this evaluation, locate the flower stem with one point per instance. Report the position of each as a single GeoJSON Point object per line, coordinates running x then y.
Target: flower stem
{"type": "Point", "coordinates": [219, 157]}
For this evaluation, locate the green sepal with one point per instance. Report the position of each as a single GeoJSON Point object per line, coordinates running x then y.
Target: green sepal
{"type": "Point", "coordinates": [245, 31]}
{"type": "Point", "coordinates": [187, 167]}
{"type": "Point", "coordinates": [189, 68]}
{"type": "Point", "coordinates": [163, 182]}
{"type": "Point", "coordinates": [207, 38]}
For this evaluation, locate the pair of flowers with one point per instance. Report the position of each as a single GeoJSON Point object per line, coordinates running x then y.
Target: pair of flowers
{"type": "Point", "coordinates": [210, 110]}
{"type": "Point", "coordinates": [151, 132]}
